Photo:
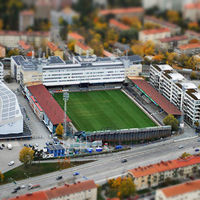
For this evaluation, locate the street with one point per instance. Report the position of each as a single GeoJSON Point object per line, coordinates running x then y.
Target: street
{"type": "Point", "coordinates": [108, 166]}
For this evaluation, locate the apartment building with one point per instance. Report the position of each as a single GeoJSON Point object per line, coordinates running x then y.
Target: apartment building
{"type": "Point", "coordinates": [82, 70]}
{"type": "Point", "coordinates": [1, 71]}
{"type": "Point", "coordinates": [83, 49]}
{"type": "Point", "coordinates": [155, 174]}
{"type": "Point", "coordinates": [75, 36]}
{"type": "Point", "coordinates": [182, 93]}
{"type": "Point", "coordinates": [174, 29]}
{"type": "Point", "coordinates": [189, 49]}
{"type": "Point", "coordinates": [191, 11]}
{"type": "Point", "coordinates": [154, 34]}
{"type": "Point", "coordinates": [189, 190]}
{"type": "Point", "coordinates": [192, 35]}
{"type": "Point", "coordinates": [53, 49]}
{"type": "Point", "coordinates": [77, 191]}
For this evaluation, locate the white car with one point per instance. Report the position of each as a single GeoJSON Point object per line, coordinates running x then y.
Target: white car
{"type": "Point", "coordinates": [9, 146]}
{"type": "Point", "coordinates": [22, 186]}
{"type": "Point", "coordinates": [11, 163]}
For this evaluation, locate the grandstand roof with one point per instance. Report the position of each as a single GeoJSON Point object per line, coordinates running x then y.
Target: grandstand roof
{"type": "Point", "coordinates": [50, 106]}
{"type": "Point", "coordinates": [166, 105]}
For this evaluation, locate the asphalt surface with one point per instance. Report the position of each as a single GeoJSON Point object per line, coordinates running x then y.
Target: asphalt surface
{"type": "Point", "coordinates": [108, 166]}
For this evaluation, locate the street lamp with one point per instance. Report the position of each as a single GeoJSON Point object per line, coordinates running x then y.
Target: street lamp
{"type": "Point", "coordinates": [65, 98]}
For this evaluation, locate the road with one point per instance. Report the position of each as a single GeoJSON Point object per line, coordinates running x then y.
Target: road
{"type": "Point", "coordinates": [108, 166]}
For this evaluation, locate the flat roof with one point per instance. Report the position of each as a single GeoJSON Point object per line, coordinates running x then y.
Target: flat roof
{"type": "Point", "coordinates": [176, 76]}
{"type": "Point", "coordinates": [164, 67]}
{"type": "Point", "coordinates": [166, 105]}
{"type": "Point", "coordinates": [46, 101]}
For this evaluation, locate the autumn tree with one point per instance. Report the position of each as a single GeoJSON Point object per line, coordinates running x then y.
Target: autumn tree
{"type": "Point", "coordinates": [172, 121]}
{"type": "Point", "coordinates": [193, 75]}
{"type": "Point", "coordinates": [149, 25]}
{"type": "Point", "coordinates": [193, 26]}
{"type": "Point", "coordinates": [133, 22]}
{"type": "Point", "coordinates": [1, 176]}
{"type": "Point", "coordinates": [26, 156]}
{"type": "Point", "coordinates": [60, 130]}
{"type": "Point", "coordinates": [171, 57]}
{"type": "Point", "coordinates": [13, 52]}
{"type": "Point", "coordinates": [173, 16]}
{"type": "Point", "coordinates": [71, 44]}
{"type": "Point", "coordinates": [159, 57]}
{"type": "Point", "coordinates": [111, 36]}
{"type": "Point", "coordinates": [185, 155]}
{"type": "Point", "coordinates": [194, 40]}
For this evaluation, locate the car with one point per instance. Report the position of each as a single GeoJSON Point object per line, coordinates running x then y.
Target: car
{"type": "Point", "coordinates": [59, 177]}
{"type": "Point", "coordinates": [36, 145]}
{"type": "Point", "coordinates": [76, 173]}
{"type": "Point", "coordinates": [180, 146]}
{"type": "Point", "coordinates": [17, 188]}
{"type": "Point", "coordinates": [33, 186]}
{"type": "Point", "coordinates": [196, 150]}
{"type": "Point", "coordinates": [25, 145]}
{"type": "Point", "coordinates": [30, 145]}
{"type": "Point", "coordinates": [11, 163]}
{"type": "Point", "coordinates": [3, 145]}
{"type": "Point", "coordinates": [123, 160]}
{"type": "Point", "coordinates": [9, 146]}
{"type": "Point", "coordinates": [1, 148]}
{"type": "Point", "coordinates": [14, 191]}
{"type": "Point", "coordinates": [22, 186]}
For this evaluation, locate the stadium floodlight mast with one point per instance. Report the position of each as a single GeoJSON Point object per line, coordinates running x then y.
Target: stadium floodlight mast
{"type": "Point", "coordinates": [65, 98]}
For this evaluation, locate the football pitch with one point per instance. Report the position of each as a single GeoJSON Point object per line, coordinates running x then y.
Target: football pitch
{"type": "Point", "coordinates": [103, 110]}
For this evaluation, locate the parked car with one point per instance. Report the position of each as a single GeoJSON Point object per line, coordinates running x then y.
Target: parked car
{"type": "Point", "coordinates": [30, 145]}
{"type": "Point", "coordinates": [14, 191]}
{"type": "Point", "coordinates": [17, 188]}
{"type": "Point", "coordinates": [33, 186]}
{"type": "Point", "coordinates": [180, 146]}
{"type": "Point", "coordinates": [9, 146]}
{"type": "Point", "coordinates": [11, 163]}
{"type": "Point", "coordinates": [76, 173]}
{"type": "Point", "coordinates": [25, 145]}
{"type": "Point", "coordinates": [22, 186]}
{"type": "Point", "coordinates": [1, 148]}
{"type": "Point", "coordinates": [59, 177]}
{"type": "Point", "coordinates": [196, 150]}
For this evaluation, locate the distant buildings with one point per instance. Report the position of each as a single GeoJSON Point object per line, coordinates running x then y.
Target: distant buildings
{"type": "Point", "coordinates": [11, 119]}
{"type": "Point", "coordinates": [1, 71]}
{"type": "Point", "coordinates": [192, 35]}
{"type": "Point", "coordinates": [179, 91]}
{"type": "Point", "coordinates": [26, 19]}
{"type": "Point", "coordinates": [11, 39]}
{"type": "Point", "coordinates": [191, 11]}
{"type": "Point", "coordinates": [189, 190]}
{"type": "Point", "coordinates": [123, 12]}
{"type": "Point", "coordinates": [118, 25]}
{"type": "Point", "coordinates": [66, 14]}
{"type": "Point", "coordinates": [75, 36]}
{"type": "Point", "coordinates": [54, 50]}
{"type": "Point", "coordinates": [83, 49]}
{"type": "Point", "coordinates": [174, 29]}
{"type": "Point", "coordinates": [155, 174]}
{"type": "Point", "coordinates": [189, 49]}
{"type": "Point", "coordinates": [154, 34]}
{"type": "Point", "coordinates": [77, 191]}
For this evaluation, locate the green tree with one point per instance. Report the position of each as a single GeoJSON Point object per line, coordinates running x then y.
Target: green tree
{"type": "Point", "coordinates": [129, 35]}
{"type": "Point", "coordinates": [26, 156]}
{"type": "Point", "coordinates": [60, 130]}
{"type": "Point", "coordinates": [127, 188]}
{"type": "Point", "coordinates": [1, 176]}
{"type": "Point", "coordinates": [171, 120]}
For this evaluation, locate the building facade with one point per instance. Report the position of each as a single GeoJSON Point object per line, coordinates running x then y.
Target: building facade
{"type": "Point", "coordinates": [82, 70]}
{"type": "Point", "coordinates": [154, 34]}
{"type": "Point", "coordinates": [11, 119]}
{"type": "Point", "coordinates": [155, 174]}
{"type": "Point", "coordinates": [26, 19]}
{"type": "Point", "coordinates": [183, 94]}
{"type": "Point", "coordinates": [189, 190]}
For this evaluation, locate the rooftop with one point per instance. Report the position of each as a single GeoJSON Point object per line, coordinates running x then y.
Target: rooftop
{"type": "Point", "coordinates": [189, 46]}
{"type": "Point", "coordinates": [75, 36]}
{"type": "Point", "coordinates": [155, 31]}
{"type": "Point", "coordinates": [192, 6]}
{"type": "Point", "coordinates": [164, 67]}
{"type": "Point", "coordinates": [175, 38]}
{"type": "Point", "coordinates": [176, 190]}
{"type": "Point", "coordinates": [27, 33]}
{"type": "Point", "coordinates": [50, 106]}
{"type": "Point", "coordinates": [193, 33]}
{"type": "Point", "coordinates": [27, 12]}
{"type": "Point", "coordinates": [108, 54]}
{"type": "Point", "coordinates": [24, 45]}
{"type": "Point", "coordinates": [52, 46]}
{"type": "Point", "coordinates": [166, 105]}
{"type": "Point", "coordinates": [118, 24]}
{"type": "Point", "coordinates": [82, 46]}
{"type": "Point", "coordinates": [175, 76]}
{"type": "Point", "coordinates": [122, 11]}
{"type": "Point", "coordinates": [164, 166]}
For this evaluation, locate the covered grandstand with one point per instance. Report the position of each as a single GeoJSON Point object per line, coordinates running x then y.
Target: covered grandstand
{"type": "Point", "coordinates": [157, 98]}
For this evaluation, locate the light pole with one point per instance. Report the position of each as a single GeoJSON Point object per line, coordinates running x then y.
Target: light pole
{"type": "Point", "coordinates": [65, 98]}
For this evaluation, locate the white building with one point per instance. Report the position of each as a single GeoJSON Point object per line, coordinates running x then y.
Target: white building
{"type": "Point", "coordinates": [1, 71]}
{"type": "Point", "coordinates": [154, 34]}
{"type": "Point", "coordinates": [189, 190]}
{"type": "Point", "coordinates": [177, 90]}
{"type": "Point", "coordinates": [82, 70]}
{"type": "Point", "coordinates": [11, 119]}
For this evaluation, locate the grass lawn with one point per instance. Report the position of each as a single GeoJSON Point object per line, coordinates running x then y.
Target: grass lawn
{"type": "Point", "coordinates": [35, 169]}
{"type": "Point", "coordinates": [100, 110]}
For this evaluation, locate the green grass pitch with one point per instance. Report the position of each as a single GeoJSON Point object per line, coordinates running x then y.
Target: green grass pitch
{"type": "Point", "coordinates": [102, 110]}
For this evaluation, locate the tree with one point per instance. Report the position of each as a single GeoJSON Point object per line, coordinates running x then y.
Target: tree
{"type": "Point", "coordinates": [129, 35]}
{"type": "Point", "coordinates": [193, 26]}
{"type": "Point", "coordinates": [172, 121]}
{"type": "Point", "coordinates": [149, 25]}
{"type": "Point", "coordinates": [173, 16]}
{"type": "Point", "coordinates": [127, 188]}
{"type": "Point", "coordinates": [193, 75]}
{"type": "Point", "coordinates": [196, 123]}
{"type": "Point", "coordinates": [133, 22]}
{"type": "Point", "coordinates": [59, 130]}
{"type": "Point", "coordinates": [63, 28]}
{"type": "Point", "coordinates": [185, 155]}
{"type": "Point", "coordinates": [171, 57]}
{"type": "Point", "coordinates": [71, 45]}
{"type": "Point", "coordinates": [26, 156]}
{"type": "Point", "coordinates": [159, 57]}
{"type": "Point", "coordinates": [111, 36]}
{"type": "Point", "coordinates": [1, 176]}
{"type": "Point", "coordinates": [13, 52]}
{"type": "Point", "coordinates": [194, 40]}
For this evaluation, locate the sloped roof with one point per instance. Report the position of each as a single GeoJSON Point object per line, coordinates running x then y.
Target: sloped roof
{"type": "Point", "coordinates": [189, 46]}
{"type": "Point", "coordinates": [166, 105]}
{"type": "Point", "coordinates": [175, 38]}
{"type": "Point", "coordinates": [155, 31]}
{"type": "Point", "coordinates": [82, 46]}
{"type": "Point", "coordinates": [181, 188]}
{"type": "Point", "coordinates": [50, 106]}
{"type": "Point", "coordinates": [75, 36]}
{"type": "Point", "coordinates": [118, 24]}
{"type": "Point", "coordinates": [164, 166]}
{"type": "Point", "coordinates": [52, 46]}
